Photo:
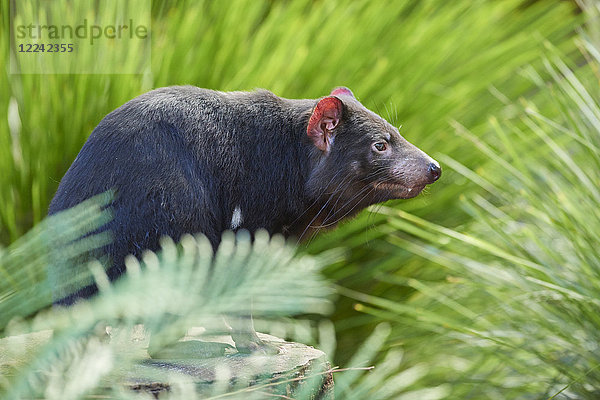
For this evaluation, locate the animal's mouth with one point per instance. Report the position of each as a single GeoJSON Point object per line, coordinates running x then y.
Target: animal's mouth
{"type": "Point", "coordinates": [399, 190]}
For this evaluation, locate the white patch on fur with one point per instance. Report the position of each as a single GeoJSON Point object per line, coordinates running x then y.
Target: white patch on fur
{"type": "Point", "coordinates": [236, 218]}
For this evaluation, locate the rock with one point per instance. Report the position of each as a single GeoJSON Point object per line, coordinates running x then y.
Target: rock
{"type": "Point", "coordinates": [208, 365]}
{"type": "Point", "coordinates": [213, 366]}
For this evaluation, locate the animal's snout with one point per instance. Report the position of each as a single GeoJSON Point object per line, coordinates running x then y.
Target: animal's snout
{"type": "Point", "coordinates": [434, 171]}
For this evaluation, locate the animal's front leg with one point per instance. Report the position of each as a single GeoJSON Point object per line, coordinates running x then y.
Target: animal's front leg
{"type": "Point", "coordinates": [245, 337]}
{"type": "Point", "coordinates": [170, 333]}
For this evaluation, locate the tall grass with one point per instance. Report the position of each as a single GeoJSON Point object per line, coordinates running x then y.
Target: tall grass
{"type": "Point", "coordinates": [516, 315]}
{"type": "Point", "coordinates": [419, 63]}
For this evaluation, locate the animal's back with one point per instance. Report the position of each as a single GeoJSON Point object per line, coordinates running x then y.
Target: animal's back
{"type": "Point", "coordinates": [174, 158]}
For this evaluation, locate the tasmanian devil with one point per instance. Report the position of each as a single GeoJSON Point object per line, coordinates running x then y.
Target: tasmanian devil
{"type": "Point", "coordinates": [187, 160]}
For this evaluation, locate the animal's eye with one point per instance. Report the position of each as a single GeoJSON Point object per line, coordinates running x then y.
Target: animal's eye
{"type": "Point", "coordinates": [380, 146]}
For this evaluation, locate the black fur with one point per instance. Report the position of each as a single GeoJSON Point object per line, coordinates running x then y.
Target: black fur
{"type": "Point", "coordinates": [182, 159]}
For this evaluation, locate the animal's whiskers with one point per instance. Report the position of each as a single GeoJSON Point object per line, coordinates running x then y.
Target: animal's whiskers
{"type": "Point", "coordinates": [334, 192]}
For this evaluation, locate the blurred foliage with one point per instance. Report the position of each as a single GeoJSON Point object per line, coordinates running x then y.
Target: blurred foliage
{"type": "Point", "coordinates": [56, 244]}
{"type": "Point", "coordinates": [489, 280]}
{"type": "Point", "coordinates": [60, 354]}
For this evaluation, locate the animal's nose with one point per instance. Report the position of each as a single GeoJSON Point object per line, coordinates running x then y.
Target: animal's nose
{"type": "Point", "coordinates": [435, 171]}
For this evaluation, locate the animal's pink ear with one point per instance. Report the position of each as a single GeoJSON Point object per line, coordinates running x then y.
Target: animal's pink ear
{"type": "Point", "coordinates": [342, 91]}
{"type": "Point", "coordinates": [325, 117]}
